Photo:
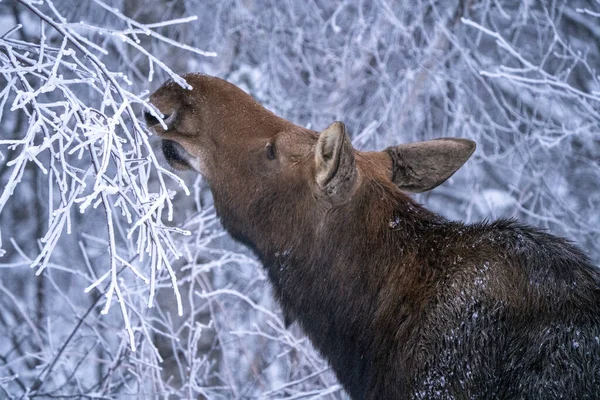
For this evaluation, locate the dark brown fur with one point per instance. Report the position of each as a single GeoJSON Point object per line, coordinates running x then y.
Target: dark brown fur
{"type": "Point", "coordinates": [401, 302]}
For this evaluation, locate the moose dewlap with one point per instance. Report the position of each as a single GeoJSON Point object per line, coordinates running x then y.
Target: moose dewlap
{"type": "Point", "coordinates": [401, 302]}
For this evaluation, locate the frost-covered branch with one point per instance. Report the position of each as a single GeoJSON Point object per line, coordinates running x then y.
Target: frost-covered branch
{"type": "Point", "coordinates": [93, 149]}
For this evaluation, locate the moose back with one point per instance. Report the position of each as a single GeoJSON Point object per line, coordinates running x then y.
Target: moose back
{"type": "Point", "coordinates": [401, 302]}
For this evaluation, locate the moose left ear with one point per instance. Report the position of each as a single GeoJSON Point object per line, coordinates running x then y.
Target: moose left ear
{"type": "Point", "coordinates": [418, 167]}
{"type": "Point", "coordinates": [335, 165]}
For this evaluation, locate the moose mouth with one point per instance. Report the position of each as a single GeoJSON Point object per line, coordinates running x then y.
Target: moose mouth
{"type": "Point", "coordinates": [176, 155]}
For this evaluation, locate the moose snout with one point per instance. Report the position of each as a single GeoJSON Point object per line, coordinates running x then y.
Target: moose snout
{"type": "Point", "coordinates": [175, 154]}
{"type": "Point", "coordinates": [151, 120]}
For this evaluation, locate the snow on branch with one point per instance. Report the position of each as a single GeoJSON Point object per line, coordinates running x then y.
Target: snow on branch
{"type": "Point", "coordinates": [530, 74]}
{"type": "Point", "coordinates": [93, 150]}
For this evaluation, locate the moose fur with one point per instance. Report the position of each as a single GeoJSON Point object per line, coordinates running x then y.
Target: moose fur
{"type": "Point", "coordinates": [403, 303]}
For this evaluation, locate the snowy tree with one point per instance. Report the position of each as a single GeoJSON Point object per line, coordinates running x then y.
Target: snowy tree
{"type": "Point", "coordinates": [117, 278]}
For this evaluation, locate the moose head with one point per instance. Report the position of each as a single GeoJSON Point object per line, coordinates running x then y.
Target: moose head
{"type": "Point", "coordinates": [247, 154]}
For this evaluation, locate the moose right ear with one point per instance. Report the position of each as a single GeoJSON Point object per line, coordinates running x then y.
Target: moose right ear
{"type": "Point", "coordinates": [335, 167]}
{"type": "Point", "coordinates": [421, 166]}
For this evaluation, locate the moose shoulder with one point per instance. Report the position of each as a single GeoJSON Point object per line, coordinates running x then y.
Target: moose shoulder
{"type": "Point", "coordinates": [401, 302]}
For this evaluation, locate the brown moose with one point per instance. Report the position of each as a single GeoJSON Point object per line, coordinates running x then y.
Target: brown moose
{"type": "Point", "coordinates": [401, 302]}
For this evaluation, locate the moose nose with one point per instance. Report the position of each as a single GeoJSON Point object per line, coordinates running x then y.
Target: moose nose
{"type": "Point", "coordinates": [151, 120]}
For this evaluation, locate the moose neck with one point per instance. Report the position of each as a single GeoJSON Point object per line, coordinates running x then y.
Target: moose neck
{"type": "Point", "coordinates": [330, 269]}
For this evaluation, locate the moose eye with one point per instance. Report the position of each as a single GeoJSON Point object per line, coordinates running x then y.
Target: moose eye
{"type": "Point", "coordinates": [270, 151]}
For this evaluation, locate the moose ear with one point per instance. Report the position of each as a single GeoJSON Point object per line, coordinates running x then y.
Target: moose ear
{"type": "Point", "coordinates": [335, 167]}
{"type": "Point", "coordinates": [421, 166]}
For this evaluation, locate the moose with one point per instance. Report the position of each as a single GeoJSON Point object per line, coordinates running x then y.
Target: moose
{"type": "Point", "coordinates": [401, 302]}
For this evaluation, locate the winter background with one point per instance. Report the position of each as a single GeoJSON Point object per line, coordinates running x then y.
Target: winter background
{"type": "Point", "coordinates": [95, 228]}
